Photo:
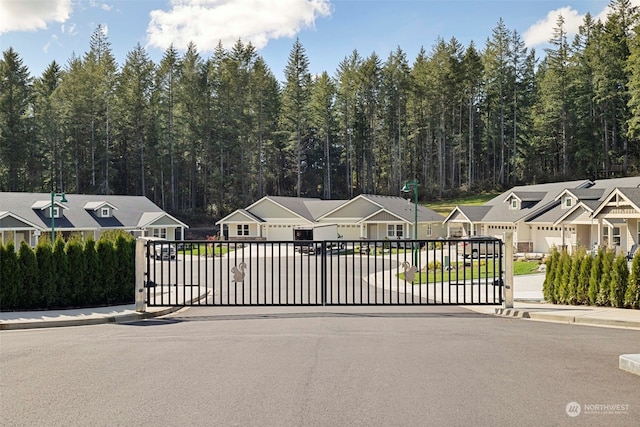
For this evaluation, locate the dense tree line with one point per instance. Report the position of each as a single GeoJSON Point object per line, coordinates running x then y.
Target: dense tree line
{"type": "Point", "coordinates": [211, 134]}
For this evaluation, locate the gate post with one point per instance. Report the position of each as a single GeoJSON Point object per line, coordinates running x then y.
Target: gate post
{"type": "Point", "coordinates": [140, 275]}
{"type": "Point", "coordinates": [508, 270]}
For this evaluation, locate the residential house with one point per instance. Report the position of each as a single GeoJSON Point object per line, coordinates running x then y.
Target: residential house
{"type": "Point", "coordinates": [565, 214]}
{"type": "Point", "coordinates": [26, 216]}
{"type": "Point", "coordinates": [363, 217]}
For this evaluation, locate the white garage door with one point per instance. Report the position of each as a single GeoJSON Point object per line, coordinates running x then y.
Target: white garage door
{"type": "Point", "coordinates": [279, 232]}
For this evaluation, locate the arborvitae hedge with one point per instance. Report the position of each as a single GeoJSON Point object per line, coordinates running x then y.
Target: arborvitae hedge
{"type": "Point", "coordinates": [603, 279]}
{"type": "Point", "coordinates": [70, 274]}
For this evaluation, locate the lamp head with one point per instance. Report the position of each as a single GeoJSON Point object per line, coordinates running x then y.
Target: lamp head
{"type": "Point", "coordinates": [63, 199]}
{"type": "Point", "coordinates": [405, 188]}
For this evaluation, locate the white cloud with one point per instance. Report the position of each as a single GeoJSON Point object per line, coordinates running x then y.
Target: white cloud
{"type": "Point", "coordinates": [32, 15]}
{"type": "Point", "coordinates": [541, 32]}
{"type": "Point", "coordinates": [206, 22]}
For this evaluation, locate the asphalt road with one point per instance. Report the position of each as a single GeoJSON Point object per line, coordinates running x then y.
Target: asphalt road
{"type": "Point", "coordinates": [315, 366]}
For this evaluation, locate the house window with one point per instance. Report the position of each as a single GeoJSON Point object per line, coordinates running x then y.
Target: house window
{"type": "Point", "coordinates": [605, 236]}
{"type": "Point", "coordinates": [616, 236]}
{"type": "Point", "coordinates": [160, 232]}
{"type": "Point", "coordinates": [567, 202]}
{"type": "Point", "coordinates": [394, 230]}
{"type": "Point", "coordinates": [429, 229]}
{"type": "Point", "coordinates": [104, 213]}
{"type": "Point", "coordinates": [514, 204]}
{"type": "Point", "coordinates": [56, 212]}
{"type": "Point", "coordinates": [242, 229]}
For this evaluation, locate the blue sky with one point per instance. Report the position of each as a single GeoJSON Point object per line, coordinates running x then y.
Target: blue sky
{"type": "Point", "coordinates": [45, 30]}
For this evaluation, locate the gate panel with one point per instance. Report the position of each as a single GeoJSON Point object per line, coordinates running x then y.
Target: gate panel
{"type": "Point", "coordinates": [380, 272]}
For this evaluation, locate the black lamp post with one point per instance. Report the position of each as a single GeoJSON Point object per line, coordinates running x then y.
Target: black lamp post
{"type": "Point", "coordinates": [407, 189]}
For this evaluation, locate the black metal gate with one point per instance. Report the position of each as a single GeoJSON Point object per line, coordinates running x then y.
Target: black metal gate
{"type": "Point", "coordinates": [340, 272]}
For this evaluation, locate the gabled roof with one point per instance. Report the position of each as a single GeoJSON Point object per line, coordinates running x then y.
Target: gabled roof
{"type": "Point", "coordinates": [131, 210]}
{"type": "Point", "coordinates": [404, 208]}
{"type": "Point", "coordinates": [471, 213]}
{"type": "Point", "coordinates": [582, 193]}
{"type": "Point", "coordinates": [241, 212]}
{"type": "Point", "coordinates": [5, 214]}
{"type": "Point", "coordinates": [632, 195]}
{"type": "Point", "coordinates": [94, 206]}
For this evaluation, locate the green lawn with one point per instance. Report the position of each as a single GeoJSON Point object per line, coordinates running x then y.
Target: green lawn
{"type": "Point", "coordinates": [208, 249]}
{"type": "Point", "coordinates": [478, 270]}
{"type": "Point", "coordinates": [444, 207]}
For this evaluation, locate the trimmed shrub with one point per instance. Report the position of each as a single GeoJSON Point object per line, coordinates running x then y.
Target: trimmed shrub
{"type": "Point", "coordinates": [574, 274]}
{"type": "Point", "coordinates": [594, 279]}
{"type": "Point", "coordinates": [29, 295]}
{"type": "Point", "coordinates": [582, 296]}
{"type": "Point", "coordinates": [605, 280]}
{"type": "Point", "coordinates": [548, 287]}
{"type": "Point", "coordinates": [10, 277]}
{"type": "Point", "coordinates": [60, 273]}
{"type": "Point", "coordinates": [93, 287]}
{"type": "Point", "coordinates": [107, 270]}
{"type": "Point", "coordinates": [46, 284]}
{"type": "Point", "coordinates": [126, 268]}
{"type": "Point", "coordinates": [562, 281]}
{"type": "Point", "coordinates": [76, 263]}
{"type": "Point", "coordinates": [632, 295]}
{"type": "Point", "coordinates": [619, 280]}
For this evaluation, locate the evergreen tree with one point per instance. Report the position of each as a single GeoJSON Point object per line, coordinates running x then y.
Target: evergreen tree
{"type": "Point", "coordinates": [619, 280]}
{"type": "Point", "coordinates": [46, 283]}
{"type": "Point", "coordinates": [595, 277]}
{"type": "Point", "coordinates": [295, 109]}
{"type": "Point", "coordinates": [562, 282]}
{"type": "Point", "coordinates": [553, 269]}
{"type": "Point", "coordinates": [11, 278]}
{"type": "Point", "coordinates": [29, 295]}
{"type": "Point", "coordinates": [632, 295]}
{"type": "Point", "coordinates": [93, 282]}
{"type": "Point", "coordinates": [605, 280]}
{"type": "Point", "coordinates": [61, 289]}
{"type": "Point", "coordinates": [582, 296]}
{"type": "Point", "coordinates": [574, 277]}
{"type": "Point", "coordinates": [76, 263]}
{"type": "Point", "coordinates": [15, 100]}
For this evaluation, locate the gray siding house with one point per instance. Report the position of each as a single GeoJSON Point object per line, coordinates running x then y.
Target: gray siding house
{"type": "Point", "coordinates": [27, 216]}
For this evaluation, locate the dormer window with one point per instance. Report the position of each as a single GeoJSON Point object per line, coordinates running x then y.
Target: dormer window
{"type": "Point", "coordinates": [568, 202]}
{"type": "Point", "coordinates": [514, 204]}
{"type": "Point", "coordinates": [105, 212]}
{"type": "Point", "coordinates": [56, 212]}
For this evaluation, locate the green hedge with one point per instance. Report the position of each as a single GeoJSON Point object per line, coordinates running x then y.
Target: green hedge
{"type": "Point", "coordinates": [68, 274]}
{"type": "Point", "coordinates": [584, 279]}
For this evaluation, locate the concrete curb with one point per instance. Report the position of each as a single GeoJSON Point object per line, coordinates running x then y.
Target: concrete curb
{"type": "Point", "coordinates": [630, 363]}
{"type": "Point", "coordinates": [567, 316]}
{"type": "Point", "coordinates": [131, 317]}
{"type": "Point", "coordinates": [96, 319]}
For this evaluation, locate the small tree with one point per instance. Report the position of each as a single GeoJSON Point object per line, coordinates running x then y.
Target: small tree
{"type": "Point", "coordinates": [632, 295]}
{"type": "Point", "coordinates": [46, 284]}
{"type": "Point", "coordinates": [562, 282]}
{"type": "Point", "coordinates": [107, 270]}
{"type": "Point", "coordinates": [76, 263]}
{"type": "Point", "coordinates": [94, 291]}
{"type": "Point", "coordinates": [619, 280]}
{"type": "Point", "coordinates": [582, 288]}
{"type": "Point", "coordinates": [596, 275]}
{"type": "Point", "coordinates": [60, 273]}
{"type": "Point", "coordinates": [574, 275]}
{"type": "Point", "coordinates": [11, 277]}
{"type": "Point", "coordinates": [605, 280]}
{"type": "Point", "coordinates": [548, 288]}
{"type": "Point", "coordinates": [29, 295]}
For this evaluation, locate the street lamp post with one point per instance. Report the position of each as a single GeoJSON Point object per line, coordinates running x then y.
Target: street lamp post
{"type": "Point", "coordinates": [53, 217]}
{"type": "Point", "coordinates": [407, 189]}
